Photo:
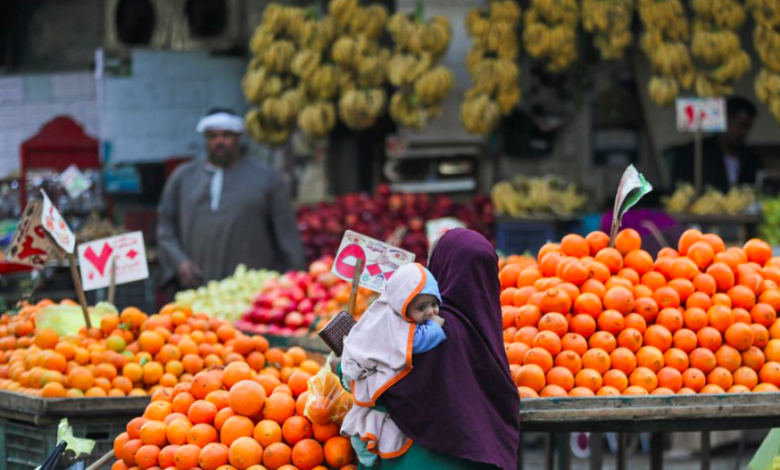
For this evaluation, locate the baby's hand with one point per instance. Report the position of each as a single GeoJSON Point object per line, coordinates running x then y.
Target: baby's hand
{"type": "Point", "coordinates": [438, 320]}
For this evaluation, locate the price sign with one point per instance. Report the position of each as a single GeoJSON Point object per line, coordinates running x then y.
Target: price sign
{"type": "Point", "coordinates": [380, 260]}
{"type": "Point", "coordinates": [701, 114]}
{"type": "Point", "coordinates": [126, 253]}
{"type": "Point", "coordinates": [53, 223]}
{"type": "Point", "coordinates": [630, 190]}
{"type": "Point", "coordinates": [29, 245]}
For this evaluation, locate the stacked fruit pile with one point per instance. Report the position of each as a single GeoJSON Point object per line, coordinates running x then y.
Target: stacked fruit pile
{"type": "Point", "coordinates": [716, 43]}
{"type": "Point", "coordinates": [551, 32]}
{"type": "Point", "coordinates": [235, 419]}
{"type": "Point", "coordinates": [610, 23]}
{"type": "Point", "coordinates": [322, 225]}
{"type": "Point", "coordinates": [421, 84]}
{"type": "Point", "coordinates": [301, 302]}
{"type": "Point", "coordinates": [664, 43]}
{"type": "Point", "coordinates": [684, 199]}
{"type": "Point", "coordinates": [128, 354]}
{"type": "Point", "coordinates": [547, 195]}
{"type": "Point", "coordinates": [589, 319]}
{"type": "Point", "coordinates": [361, 63]}
{"type": "Point", "coordinates": [228, 298]}
{"type": "Point", "coordinates": [492, 64]}
{"type": "Point", "coordinates": [766, 40]}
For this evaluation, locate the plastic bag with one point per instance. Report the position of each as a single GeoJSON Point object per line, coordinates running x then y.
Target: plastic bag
{"type": "Point", "coordinates": [768, 455]}
{"type": "Point", "coordinates": [66, 320]}
{"type": "Point", "coordinates": [327, 401]}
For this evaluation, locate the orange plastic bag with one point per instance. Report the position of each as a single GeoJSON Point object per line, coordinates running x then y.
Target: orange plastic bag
{"type": "Point", "coordinates": [327, 401]}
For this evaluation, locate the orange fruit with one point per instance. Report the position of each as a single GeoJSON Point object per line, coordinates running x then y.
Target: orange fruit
{"type": "Point", "coordinates": [278, 407]}
{"type": "Point", "coordinates": [620, 299]}
{"type": "Point", "coordinates": [650, 357]}
{"type": "Point", "coordinates": [590, 379]}
{"type": "Point", "coordinates": [670, 378]}
{"type": "Point", "coordinates": [234, 428]}
{"type": "Point", "coordinates": [555, 300]}
{"type": "Point", "coordinates": [699, 300]}
{"type": "Point", "coordinates": [766, 387]}
{"type": "Point", "coordinates": [721, 377]}
{"type": "Point", "coordinates": [670, 318]}
{"type": "Point", "coordinates": [703, 359]}
{"type": "Point", "coordinates": [611, 258]}
{"type": "Point", "coordinates": [154, 433]}
{"type": "Point", "coordinates": [758, 251]}
{"type": "Point", "coordinates": [597, 241]}
{"type": "Point", "coordinates": [338, 452]}
{"type": "Point", "coordinates": [516, 352]}
{"type": "Point", "coordinates": [685, 340]}
{"type": "Point", "coordinates": [296, 429]}
{"type": "Point", "coordinates": [248, 397]}
{"type": "Point", "coordinates": [202, 434]}
{"type": "Point", "coordinates": [760, 335]}
{"type": "Point", "coordinates": [245, 453]}
{"type": "Point", "coordinates": [623, 360]}
{"type": "Point", "coordinates": [202, 411]}
{"type": "Point", "coordinates": [658, 336]}
{"type": "Point", "coordinates": [616, 379]}
{"type": "Point", "coordinates": [723, 276]}
{"type": "Point", "coordinates": [694, 379]}
{"type": "Point", "coordinates": [682, 268]}
{"type": "Point", "coordinates": [763, 314]}
{"type": "Point", "coordinates": [687, 239]}
{"type": "Point", "coordinates": [554, 322]}
{"type": "Point", "coordinates": [213, 456]}
{"type": "Point", "coordinates": [709, 338]}
{"type": "Point", "coordinates": [636, 321]}
{"type": "Point", "coordinates": [701, 253]}
{"type": "Point", "coordinates": [746, 376]}
{"type": "Point", "coordinates": [740, 336]}
{"type": "Point", "coordinates": [677, 359]}
{"type": "Point", "coordinates": [583, 325]}
{"type": "Point", "coordinates": [720, 318]}
{"type": "Point", "coordinates": [631, 339]}
{"type": "Point", "coordinates": [643, 377]}
{"type": "Point", "coordinates": [753, 358]}
{"type": "Point", "coordinates": [589, 304]}
{"type": "Point", "coordinates": [666, 297]}
{"type": "Point", "coordinates": [524, 335]}
{"type": "Point", "coordinates": [596, 359]}
{"type": "Point", "coordinates": [307, 454]}
{"type": "Point", "coordinates": [570, 360]}
{"type": "Point", "coordinates": [742, 297]}
{"type": "Point", "coordinates": [705, 284]}
{"type": "Point", "coordinates": [177, 431]}
{"type": "Point", "coordinates": [204, 383]}
{"type": "Point", "coordinates": [603, 340]}
{"type": "Point", "coordinates": [628, 240]}
{"type": "Point", "coordinates": [186, 457]}
{"type": "Point", "coordinates": [611, 321]}
{"type": "Point", "coordinates": [267, 432]}
{"type": "Point", "coordinates": [561, 377]}
{"type": "Point", "coordinates": [575, 245]}
{"type": "Point", "coordinates": [547, 340]}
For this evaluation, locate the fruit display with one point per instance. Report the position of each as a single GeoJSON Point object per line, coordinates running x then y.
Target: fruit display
{"type": "Point", "coordinates": [716, 43]}
{"type": "Point", "coordinates": [269, 83]}
{"type": "Point", "coordinates": [228, 298]}
{"type": "Point", "coordinates": [421, 84]}
{"type": "Point", "coordinates": [664, 43]}
{"type": "Point", "coordinates": [130, 354]}
{"type": "Point", "coordinates": [610, 23]}
{"type": "Point", "coordinates": [525, 196]}
{"type": "Point", "coordinates": [766, 40]}
{"type": "Point", "coordinates": [550, 33]}
{"type": "Point", "coordinates": [361, 63]}
{"type": "Point", "coordinates": [301, 303]}
{"type": "Point", "coordinates": [587, 319]}
{"type": "Point", "coordinates": [235, 418]}
{"type": "Point", "coordinates": [712, 202]}
{"type": "Point", "coordinates": [492, 64]}
{"type": "Point", "coordinates": [379, 216]}
{"type": "Point", "coordinates": [769, 230]}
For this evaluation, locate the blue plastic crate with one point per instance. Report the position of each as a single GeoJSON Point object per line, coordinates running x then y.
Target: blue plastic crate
{"type": "Point", "coordinates": [518, 237]}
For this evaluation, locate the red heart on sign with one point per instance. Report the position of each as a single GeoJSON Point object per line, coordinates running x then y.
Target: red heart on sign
{"type": "Point", "coordinates": [99, 261]}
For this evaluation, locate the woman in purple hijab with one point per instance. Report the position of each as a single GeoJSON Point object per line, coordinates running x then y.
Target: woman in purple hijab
{"type": "Point", "coordinates": [459, 404]}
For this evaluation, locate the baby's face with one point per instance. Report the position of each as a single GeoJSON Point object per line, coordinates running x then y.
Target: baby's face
{"type": "Point", "coordinates": [422, 308]}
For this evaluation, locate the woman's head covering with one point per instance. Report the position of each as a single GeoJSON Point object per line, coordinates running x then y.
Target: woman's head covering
{"type": "Point", "coordinates": [383, 338]}
{"type": "Point", "coordinates": [460, 399]}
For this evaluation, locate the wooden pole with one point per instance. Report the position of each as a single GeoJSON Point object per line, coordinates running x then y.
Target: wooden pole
{"type": "Point", "coordinates": [112, 285]}
{"type": "Point", "coordinates": [698, 161]}
{"type": "Point", "coordinates": [101, 461]}
{"type": "Point", "coordinates": [74, 272]}
{"type": "Point", "coordinates": [355, 286]}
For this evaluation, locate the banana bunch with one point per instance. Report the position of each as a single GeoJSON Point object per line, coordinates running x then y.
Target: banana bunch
{"type": "Point", "coordinates": [716, 43]}
{"type": "Point", "coordinates": [421, 85]}
{"type": "Point", "coordinates": [680, 200]}
{"type": "Point", "coordinates": [491, 62]}
{"type": "Point", "coordinates": [767, 88]}
{"type": "Point", "coordinates": [480, 114]}
{"type": "Point", "coordinates": [323, 84]}
{"type": "Point", "coordinates": [664, 44]}
{"type": "Point", "coordinates": [551, 32]}
{"type": "Point", "coordinates": [684, 199]}
{"type": "Point", "coordinates": [342, 12]}
{"type": "Point", "coordinates": [259, 84]}
{"type": "Point", "coordinates": [766, 40]}
{"type": "Point", "coordinates": [317, 35]}
{"type": "Point", "coordinates": [536, 195]}
{"type": "Point", "coordinates": [369, 22]}
{"type": "Point", "coordinates": [317, 119]}
{"type": "Point", "coordinates": [610, 22]}
{"type": "Point", "coordinates": [360, 109]}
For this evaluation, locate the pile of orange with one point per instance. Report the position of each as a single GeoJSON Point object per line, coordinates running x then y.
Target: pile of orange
{"type": "Point", "coordinates": [130, 354]}
{"type": "Point", "coordinates": [586, 319]}
{"type": "Point", "coordinates": [232, 419]}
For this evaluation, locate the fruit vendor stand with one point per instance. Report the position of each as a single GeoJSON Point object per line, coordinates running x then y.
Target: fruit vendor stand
{"type": "Point", "coordinates": [654, 414]}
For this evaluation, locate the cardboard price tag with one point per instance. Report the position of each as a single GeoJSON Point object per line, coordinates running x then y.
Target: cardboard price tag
{"type": "Point", "coordinates": [701, 114]}
{"type": "Point", "coordinates": [125, 252]}
{"type": "Point", "coordinates": [438, 227]}
{"type": "Point", "coordinates": [53, 223]}
{"type": "Point", "coordinates": [29, 245]}
{"type": "Point", "coordinates": [380, 260]}
{"type": "Point", "coordinates": [630, 190]}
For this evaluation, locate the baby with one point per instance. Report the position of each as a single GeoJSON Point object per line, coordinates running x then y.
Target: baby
{"type": "Point", "coordinates": [378, 353]}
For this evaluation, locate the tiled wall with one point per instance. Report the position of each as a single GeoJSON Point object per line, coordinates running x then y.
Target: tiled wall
{"type": "Point", "coordinates": [30, 101]}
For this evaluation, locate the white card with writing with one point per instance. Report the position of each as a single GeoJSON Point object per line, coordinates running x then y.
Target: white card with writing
{"type": "Point", "coordinates": [380, 260]}
{"type": "Point", "coordinates": [125, 252]}
{"type": "Point", "coordinates": [56, 226]}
